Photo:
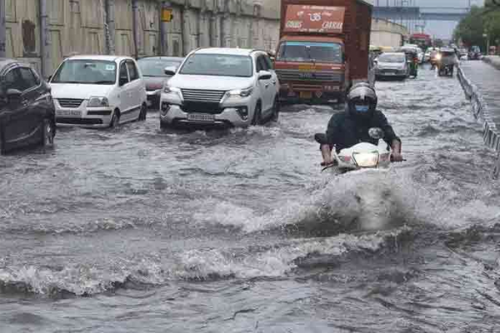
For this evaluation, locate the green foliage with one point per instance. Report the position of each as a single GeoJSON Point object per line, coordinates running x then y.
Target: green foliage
{"type": "Point", "coordinates": [471, 29]}
{"type": "Point", "coordinates": [480, 21]}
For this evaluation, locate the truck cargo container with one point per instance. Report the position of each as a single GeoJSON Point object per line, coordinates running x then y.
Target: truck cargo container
{"type": "Point", "coordinates": [323, 49]}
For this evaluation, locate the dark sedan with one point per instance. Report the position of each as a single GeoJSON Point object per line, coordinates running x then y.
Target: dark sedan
{"type": "Point", "coordinates": [152, 69]}
{"type": "Point", "coordinates": [27, 115]}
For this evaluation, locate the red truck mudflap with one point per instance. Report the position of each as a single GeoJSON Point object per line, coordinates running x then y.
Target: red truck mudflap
{"type": "Point", "coordinates": [311, 83]}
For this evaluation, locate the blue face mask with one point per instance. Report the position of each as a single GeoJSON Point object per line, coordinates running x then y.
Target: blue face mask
{"type": "Point", "coordinates": [362, 108]}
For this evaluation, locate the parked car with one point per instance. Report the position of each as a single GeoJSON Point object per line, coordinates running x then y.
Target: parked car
{"type": "Point", "coordinates": [392, 65]}
{"type": "Point", "coordinates": [27, 115]}
{"type": "Point", "coordinates": [153, 73]}
{"type": "Point", "coordinates": [221, 87]}
{"type": "Point", "coordinates": [98, 91]}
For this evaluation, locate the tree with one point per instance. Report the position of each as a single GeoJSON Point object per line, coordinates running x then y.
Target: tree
{"type": "Point", "coordinates": [471, 28]}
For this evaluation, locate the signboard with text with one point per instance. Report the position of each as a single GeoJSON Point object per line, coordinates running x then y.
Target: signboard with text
{"type": "Point", "coordinates": [315, 19]}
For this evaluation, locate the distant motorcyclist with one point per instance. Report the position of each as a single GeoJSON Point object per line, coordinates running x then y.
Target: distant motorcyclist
{"type": "Point", "coordinates": [352, 126]}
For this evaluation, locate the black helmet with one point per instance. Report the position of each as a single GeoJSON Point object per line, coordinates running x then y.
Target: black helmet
{"type": "Point", "coordinates": [362, 100]}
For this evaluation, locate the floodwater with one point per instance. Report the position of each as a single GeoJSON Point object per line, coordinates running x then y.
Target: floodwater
{"type": "Point", "coordinates": [138, 230]}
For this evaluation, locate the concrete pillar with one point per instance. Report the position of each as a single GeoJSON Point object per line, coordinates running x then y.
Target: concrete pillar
{"type": "Point", "coordinates": [109, 12]}
{"type": "Point", "coordinates": [136, 28]}
{"type": "Point", "coordinates": [2, 29]}
{"type": "Point", "coordinates": [164, 29]}
{"type": "Point", "coordinates": [186, 31]}
{"type": "Point", "coordinates": [46, 61]}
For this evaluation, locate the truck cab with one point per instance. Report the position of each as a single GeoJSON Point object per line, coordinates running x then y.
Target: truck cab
{"type": "Point", "coordinates": [311, 68]}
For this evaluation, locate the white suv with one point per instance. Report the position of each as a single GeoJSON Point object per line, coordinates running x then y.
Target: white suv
{"type": "Point", "coordinates": [98, 91]}
{"type": "Point", "coordinates": [221, 86]}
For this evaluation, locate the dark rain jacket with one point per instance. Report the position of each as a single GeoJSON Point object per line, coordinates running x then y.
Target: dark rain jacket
{"type": "Point", "coordinates": [344, 131]}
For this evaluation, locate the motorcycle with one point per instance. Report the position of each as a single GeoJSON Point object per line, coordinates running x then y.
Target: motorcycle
{"type": "Point", "coordinates": [446, 60]}
{"type": "Point", "coordinates": [363, 155]}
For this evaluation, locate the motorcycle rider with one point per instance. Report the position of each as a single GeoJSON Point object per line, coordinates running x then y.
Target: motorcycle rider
{"type": "Point", "coordinates": [351, 127]}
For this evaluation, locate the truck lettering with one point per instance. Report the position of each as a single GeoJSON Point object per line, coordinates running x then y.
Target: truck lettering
{"type": "Point", "coordinates": [294, 24]}
{"type": "Point", "coordinates": [328, 25]}
{"type": "Point", "coordinates": [314, 17]}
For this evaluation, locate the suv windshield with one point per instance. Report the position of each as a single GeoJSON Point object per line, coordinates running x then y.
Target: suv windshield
{"type": "Point", "coordinates": [218, 65]}
{"type": "Point", "coordinates": [156, 67]}
{"type": "Point", "coordinates": [307, 51]}
{"type": "Point", "coordinates": [392, 58]}
{"type": "Point", "coordinates": [86, 72]}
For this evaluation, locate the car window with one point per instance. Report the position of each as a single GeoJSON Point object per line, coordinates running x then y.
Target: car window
{"type": "Point", "coordinates": [13, 80]}
{"type": "Point", "coordinates": [132, 70]}
{"type": "Point", "coordinates": [268, 62]}
{"type": "Point", "coordinates": [86, 71]}
{"type": "Point", "coordinates": [259, 65]}
{"type": "Point", "coordinates": [28, 79]}
{"type": "Point", "coordinates": [38, 80]}
{"type": "Point", "coordinates": [263, 65]}
{"type": "Point", "coordinates": [123, 73]}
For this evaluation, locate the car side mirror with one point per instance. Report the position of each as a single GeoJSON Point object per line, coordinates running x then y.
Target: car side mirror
{"type": "Point", "coordinates": [265, 75]}
{"type": "Point", "coordinates": [123, 81]}
{"type": "Point", "coordinates": [170, 71]}
{"type": "Point", "coordinates": [14, 95]}
{"type": "Point", "coordinates": [376, 133]}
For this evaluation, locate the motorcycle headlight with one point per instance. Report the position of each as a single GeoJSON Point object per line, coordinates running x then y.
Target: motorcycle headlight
{"type": "Point", "coordinates": [438, 57]}
{"type": "Point", "coordinates": [240, 92]}
{"type": "Point", "coordinates": [366, 160]}
{"type": "Point", "coordinates": [97, 102]}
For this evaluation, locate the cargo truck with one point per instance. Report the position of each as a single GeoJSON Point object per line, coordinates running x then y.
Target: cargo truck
{"type": "Point", "coordinates": [323, 49]}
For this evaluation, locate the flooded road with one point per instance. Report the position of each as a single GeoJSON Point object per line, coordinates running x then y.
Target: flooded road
{"type": "Point", "coordinates": [138, 230]}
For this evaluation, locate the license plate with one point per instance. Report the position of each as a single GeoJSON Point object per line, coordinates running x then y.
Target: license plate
{"type": "Point", "coordinates": [306, 94]}
{"type": "Point", "coordinates": [201, 117]}
{"type": "Point", "coordinates": [72, 113]}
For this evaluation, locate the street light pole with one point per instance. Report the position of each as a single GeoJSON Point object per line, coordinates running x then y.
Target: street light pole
{"type": "Point", "coordinates": [2, 29]}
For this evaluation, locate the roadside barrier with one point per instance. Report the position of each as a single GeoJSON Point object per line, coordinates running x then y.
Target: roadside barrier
{"type": "Point", "coordinates": [491, 135]}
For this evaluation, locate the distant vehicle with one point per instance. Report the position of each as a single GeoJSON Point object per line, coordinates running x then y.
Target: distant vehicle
{"type": "Point", "coordinates": [221, 87]}
{"type": "Point", "coordinates": [322, 53]}
{"type": "Point", "coordinates": [446, 61]}
{"type": "Point", "coordinates": [98, 91]}
{"type": "Point", "coordinates": [153, 73]}
{"type": "Point", "coordinates": [392, 65]}
{"type": "Point", "coordinates": [27, 115]}
{"type": "Point", "coordinates": [475, 53]}
{"type": "Point", "coordinates": [423, 41]}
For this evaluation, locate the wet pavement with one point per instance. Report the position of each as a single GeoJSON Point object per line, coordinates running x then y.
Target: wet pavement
{"type": "Point", "coordinates": [138, 230]}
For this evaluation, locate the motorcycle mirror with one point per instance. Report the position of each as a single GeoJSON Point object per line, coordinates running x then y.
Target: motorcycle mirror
{"type": "Point", "coordinates": [376, 133]}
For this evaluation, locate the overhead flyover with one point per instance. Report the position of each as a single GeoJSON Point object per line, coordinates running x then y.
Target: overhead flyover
{"type": "Point", "coordinates": [421, 13]}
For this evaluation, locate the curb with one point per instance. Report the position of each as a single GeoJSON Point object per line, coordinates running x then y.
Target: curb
{"type": "Point", "coordinates": [491, 135]}
{"type": "Point", "coordinates": [493, 61]}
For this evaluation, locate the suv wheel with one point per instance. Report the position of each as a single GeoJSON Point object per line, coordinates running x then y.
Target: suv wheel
{"type": "Point", "coordinates": [276, 110]}
{"type": "Point", "coordinates": [115, 121]}
{"type": "Point", "coordinates": [143, 114]}
{"type": "Point", "coordinates": [48, 134]}
{"type": "Point", "coordinates": [257, 115]}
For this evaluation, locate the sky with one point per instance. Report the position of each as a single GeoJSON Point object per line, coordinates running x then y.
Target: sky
{"type": "Point", "coordinates": [435, 28]}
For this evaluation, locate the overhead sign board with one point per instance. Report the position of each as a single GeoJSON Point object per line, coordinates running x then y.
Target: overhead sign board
{"type": "Point", "coordinates": [319, 19]}
{"type": "Point", "coordinates": [167, 15]}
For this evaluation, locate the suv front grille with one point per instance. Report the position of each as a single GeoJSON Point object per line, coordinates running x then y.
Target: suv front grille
{"type": "Point", "coordinates": [198, 95]}
{"type": "Point", "coordinates": [70, 102]}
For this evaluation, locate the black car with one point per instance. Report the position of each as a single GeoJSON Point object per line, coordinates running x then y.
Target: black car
{"type": "Point", "coordinates": [153, 73]}
{"type": "Point", "coordinates": [27, 115]}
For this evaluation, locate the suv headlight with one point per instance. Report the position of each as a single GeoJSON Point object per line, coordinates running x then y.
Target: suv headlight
{"type": "Point", "coordinates": [97, 102]}
{"type": "Point", "coordinates": [171, 90]}
{"type": "Point", "coordinates": [240, 92]}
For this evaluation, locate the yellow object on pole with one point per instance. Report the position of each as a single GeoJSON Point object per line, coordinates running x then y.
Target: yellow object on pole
{"type": "Point", "coordinates": [166, 15]}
